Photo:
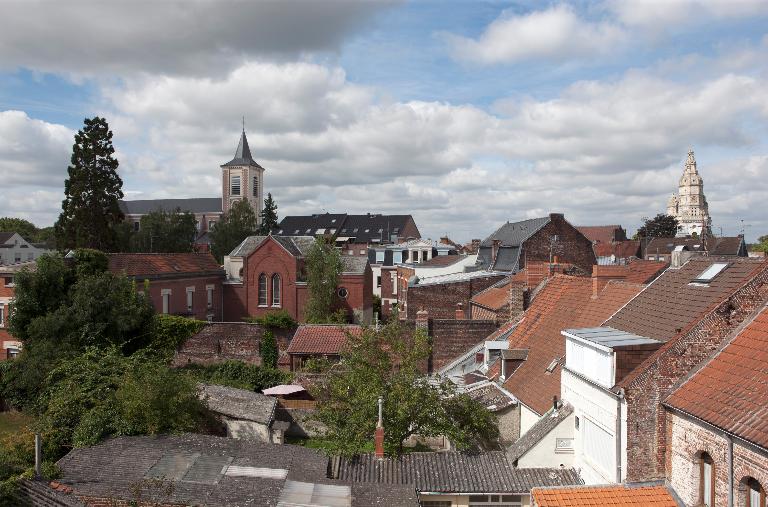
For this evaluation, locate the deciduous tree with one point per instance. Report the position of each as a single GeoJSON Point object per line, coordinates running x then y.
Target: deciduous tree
{"type": "Point", "coordinates": [660, 226]}
{"type": "Point", "coordinates": [165, 232]}
{"type": "Point", "coordinates": [90, 209]}
{"type": "Point", "coordinates": [232, 229]}
{"type": "Point", "coordinates": [323, 267]}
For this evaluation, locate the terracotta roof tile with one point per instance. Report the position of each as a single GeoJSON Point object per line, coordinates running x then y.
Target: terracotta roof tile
{"type": "Point", "coordinates": [730, 390]}
{"type": "Point", "coordinates": [618, 496]}
{"type": "Point", "coordinates": [321, 338]}
{"type": "Point", "coordinates": [563, 302]}
{"type": "Point", "coordinates": [158, 264]}
{"type": "Point", "coordinates": [494, 297]}
{"type": "Point", "coordinates": [671, 304]}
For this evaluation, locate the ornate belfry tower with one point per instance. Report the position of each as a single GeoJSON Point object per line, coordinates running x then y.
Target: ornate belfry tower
{"type": "Point", "coordinates": [243, 178]}
{"type": "Point", "coordinates": [689, 205]}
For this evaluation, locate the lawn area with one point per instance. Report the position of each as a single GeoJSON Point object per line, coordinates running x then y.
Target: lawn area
{"type": "Point", "coordinates": [10, 422]}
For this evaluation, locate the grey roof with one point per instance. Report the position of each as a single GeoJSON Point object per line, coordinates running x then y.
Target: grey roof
{"type": "Point", "coordinates": [242, 154]}
{"type": "Point", "coordinates": [492, 396]}
{"type": "Point", "coordinates": [5, 236]}
{"type": "Point", "coordinates": [298, 246]}
{"type": "Point", "coordinates": [40, 493]}
{"type": "Point", "coordinates": [508, 258]}
{"type": "Point", "coordinates": [609, 337]}
{"type": "Point", "coordinates": [515, 233]}
{"type": "Point", "coordinates": [193, 205]}
{"type": "Point", "coordinates": [367, 228]}
{"type": "Point", "coordinates": [514, 354]}
{"type": "Point", "coordinates": [239, 403]}
{"type": "Point", "coordinates": [453, 277]}
{"type": "Point", "coordinates": [452, 472]}
{"type": "Point", "coordinates": [354, 264]}
{"type": "Point", "coordinates": [538, 431]}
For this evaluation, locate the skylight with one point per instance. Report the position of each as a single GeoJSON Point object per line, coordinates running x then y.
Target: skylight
{"type": "Point", "coordinates": [711, 272]}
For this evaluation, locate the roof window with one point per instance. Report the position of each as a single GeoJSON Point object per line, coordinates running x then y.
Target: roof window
{"type": "Point", "coordinates": [711, 272]}
{"type": "Point", "coordinates": [552, 366]}
{"type": "Point", "coordinates": [296, 232]}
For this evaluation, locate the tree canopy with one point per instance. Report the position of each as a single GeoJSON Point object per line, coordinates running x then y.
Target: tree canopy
{"type": "Point", "coordinates": [90, 210]}
{"type": "Point", "coordinates": [323, 268]}
{"type": "Point", "coordinates": [25, 228]}
{"type": "Point", "coordinates": [165, 232]}
{"type": "Point", "coordinates": [268, 216]}
{"type": "Point", "coordinates": [388, 362]}
{"type": "Point", "coordinates": [232, 229]}
{"type": "Point", "coordinates": [660, 226]}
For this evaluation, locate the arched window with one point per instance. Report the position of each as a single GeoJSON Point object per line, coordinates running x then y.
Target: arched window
{"type": "Point", "coordinates": [755, 493]}
{"type": "Point", "coordinates": [262, 290]}
{"type": "Point", "coordinates": [275, 290]}
{"type": "Point", "coordinates": [707, 480]}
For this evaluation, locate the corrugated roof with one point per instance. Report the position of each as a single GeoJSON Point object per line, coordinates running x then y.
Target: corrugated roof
{"type": "Point", "coordinates": [601, 496]}
{"type": "Point", "coordinates": [606, 336]}
{"type": "Point", "coordinates": [453, 472]}
{"type": "Point", "coordinates": [193, 205]}
{"type": "Point", "coordinates": [148, 265]}
{"type": "Point", "coordinates": [730, 390]}
{"type": "Point", "coordinates": [321, 338]}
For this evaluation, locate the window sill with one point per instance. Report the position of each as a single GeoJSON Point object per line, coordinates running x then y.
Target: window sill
{"type": "Point", "coordinates": [263, 306]}
{"type": "Point", "coordinates": [277, 306]}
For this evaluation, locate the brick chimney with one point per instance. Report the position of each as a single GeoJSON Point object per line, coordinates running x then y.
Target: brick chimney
{"type": "Point", "coordinates": [476, 245]}
{"type": "Point", "coordinates": [460, 311]}
{"type": "Point", "coordinates": [601, 275]}
{"type": "Point", "coordinates": [379, 435]}
{"type": "Point", "coordinates": [517, 296]}
{"type": "Point", "coordinates": [422, 319]}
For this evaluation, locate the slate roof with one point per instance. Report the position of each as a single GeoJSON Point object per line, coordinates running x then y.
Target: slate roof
{"type": "Point", "coordinates": [364, 228]}
{"type": "Point", "coordinates": [515, 233]}
{"type": "Point", "coordinates": [452, 472]}
{"type": "Point", "coordinates": [725, 246]}
{"type": "Point", "coordinates": [602, 233]}
{"type": "Point", "coordinates": [5, 236]}
{"type": "Point", "coordinates": [193, 205]}
{"type": "Point", "coordinates": [354, 264]}
{"type": "Point", "coordinates": [492, 396]}
{"type": "Point", "coordinates": [671, 304]}
{"type": "Point", "coordinates": [562, 301]}
{"type": "Point", "coordinates": [321, 338]}
{"type": "Point", "coordinates": [152, 265]}
{"type": "Point", "coordinates": [298, 246]}
{"type": "Point", "coordinates": [729, 391]}
{"type": "Point", "coordinates": [538, 431]}
{"type": "Point", "coordinates": [239, 403]}
{"type": "Point", "coordinates": [242, 154]}
{"type": "Point", "coordinates": [611, 495]}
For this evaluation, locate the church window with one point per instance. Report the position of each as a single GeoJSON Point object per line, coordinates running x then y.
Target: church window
{"type": "Point", "coordinates": [276, 290]}
{"type": "Point", "coordinates": [235, 185]}
{"type": "Point", "coordinates": [262, 290]}
{"type": "Point", "coordinates": [255, 186]}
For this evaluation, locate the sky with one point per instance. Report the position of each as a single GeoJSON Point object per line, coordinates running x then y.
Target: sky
{"type": "Point", "coordinates": [463, 114]}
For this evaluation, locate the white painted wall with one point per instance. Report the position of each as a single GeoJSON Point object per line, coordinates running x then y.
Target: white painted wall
{"type": "Point", "coordinates": [527, 418]}
{"type": "Point", "coordinates": [545, 454]}
{"type": "Point", "coordinates": [232, 266]}
{"type": "Point", "coordinates": [425, 271]}
{"type": "Point", "coordinates": [590, 362]}
{"type": "Point", "coordinates": [595, 440]}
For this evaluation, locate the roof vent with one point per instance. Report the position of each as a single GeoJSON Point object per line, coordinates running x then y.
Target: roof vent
{"type": "Point", "coordinates": [552, 366]}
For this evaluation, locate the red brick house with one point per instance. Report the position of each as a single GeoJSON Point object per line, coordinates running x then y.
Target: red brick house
{"type": "Point", "coordinates": [717, 424]}
{"type": "Point", "coordinates": [11, 347]}
{"type": "Point", "coordinates": [267, 273]}
{"type": "Point", "coordinates": [187, 284]}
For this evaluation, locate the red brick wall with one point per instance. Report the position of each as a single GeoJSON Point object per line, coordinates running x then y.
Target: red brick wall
{"type": "Point", "coordinates": [688, 438]}
{"type": "Point", "coordinates": [235, 302]}
{"type": "Point", "coordinates": [359, 301]}
{"type": "Point", "coordinates": [572, 247]}
{"type": "Point", "coordinates": [646, 429]}
{"type": "Point", "coordinates": [629, 358]}
{"type": "Point", "coordinates": [451, 338]}
{"type": "Point", "coordinates": [440, 300]}
{"type": "Point", "coordinates": [178, 297]}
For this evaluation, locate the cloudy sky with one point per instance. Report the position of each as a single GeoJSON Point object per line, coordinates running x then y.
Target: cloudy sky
{"type": "Point", "coordinates": [464, 114]}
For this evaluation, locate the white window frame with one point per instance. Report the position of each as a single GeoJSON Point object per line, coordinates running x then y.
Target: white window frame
{"type": "Point", "coordinates": [165, 294]}
{"type": "Point", "coordinates": [2, 314]}
{"type": "Point", "coordinates": [262, 291]}
{"type": "Point", "coordinates": [277, 295]}
{"type": "Point", "coordinates": [209, 291]}
{"type": "Point", "coordinates": [232, 179]}
{"type": "Point", "coordinates": [190, 299]}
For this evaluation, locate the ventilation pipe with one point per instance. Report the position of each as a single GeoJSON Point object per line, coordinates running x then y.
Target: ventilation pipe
{"type": "Point", "coordinates": [38, 456]}
{"type": "Point", "coordinates": [379, 436]}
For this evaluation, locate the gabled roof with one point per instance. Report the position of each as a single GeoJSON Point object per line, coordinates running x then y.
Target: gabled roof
{"type": "Point", "coordinates": [620, 249]}
{"type": "Point", "coordinates": [242, 154]}
{"type": "Point", "coordinates": [610, 495]}
{"type": "Point", "coordinates": [727, 246]}
{"type": "Point", "coordinates": [193, 205]}
{"type": "Point", "coordinates": [309, 225]}
{"type": "Point", "coordinates": [602, 233]}
{"type": "Point", "coordinates": [515, 233]}
{"type": "Point", "coordinates": [368, 228]}
{"type": "Point", "coordinates": [239, 403]}
{"type": "Point", "coordinates": [328, 339]}
{"type": "Point", "coordinates": [561, 302]}
{"type": "Point", "coordinates": [730, 390]}
{"type": "Point", "coordinates": [539, 430]}
{"type": "Point", "coordinates": [354, 264]}
{"type": "Point", "coordinates": [492, 396]}
{"type": "Point", "coordinates": [5, 236]}
{"type": "Point", "coordinates": [298, 246]}
{"type": "Point", "coordinates": [452, 472]}
{"type": "Point", "coordinates": [149, 265]}
{"type": "Point", "coordinates": [672, 303]}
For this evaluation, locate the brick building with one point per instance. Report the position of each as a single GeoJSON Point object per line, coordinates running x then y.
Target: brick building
{"type": "Point", "coordinates": [267, 273]}
{"type": "Point", "coordinates": [603, 234]}
{"type": "Point", "coordinates": [187, 284]}
{"type": "Point", "coordinates": [660, 249]}
{"type": "Point", "coordinates": [11, 347]}
{"type": "Point", "coordinates": [680, 319]}
{"type": "Point", "coordinates": [717, 424]}
{"type": "Point", "coordinates": [545, 239]}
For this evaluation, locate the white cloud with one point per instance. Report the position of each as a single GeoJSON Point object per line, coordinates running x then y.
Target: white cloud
{"type": "Point", "coordinates": [556, 33]}
{"type": "Point", "coordinates": [659, 14]}
{"type": "Point", "coordinates": [200, 37]}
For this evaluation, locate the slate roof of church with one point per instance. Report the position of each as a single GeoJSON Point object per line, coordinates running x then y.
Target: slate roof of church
{"type": "Point", "coordinates": [193, 205]}
{"type": "Point", "coordinates": [242, 154]}
{"type": "Point", "coordinates": [298, 246]}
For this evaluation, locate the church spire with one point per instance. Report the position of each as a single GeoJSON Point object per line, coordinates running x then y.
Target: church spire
{"type": "Point", "coordinates": [243, 152]}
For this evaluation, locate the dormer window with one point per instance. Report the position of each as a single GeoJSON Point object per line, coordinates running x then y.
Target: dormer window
{"type": "Point", "coordinates": [710, 273]}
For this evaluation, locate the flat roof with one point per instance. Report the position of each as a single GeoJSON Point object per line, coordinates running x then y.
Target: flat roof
{"type": "Point", "coordinates": [609, 337]}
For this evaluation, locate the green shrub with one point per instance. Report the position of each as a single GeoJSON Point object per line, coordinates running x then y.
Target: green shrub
{"type": "Point", "coordinates": [277, 319]}
{"type": "Point", "coordinates": [170, 331]}
{"type": "Point", "coordinates": [238, 374]}
{"type": "Point", "coordinates": [268, 350]}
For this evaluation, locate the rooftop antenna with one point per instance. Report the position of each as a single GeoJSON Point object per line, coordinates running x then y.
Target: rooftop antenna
{"type": "Point", "coordinates": [243, 123]}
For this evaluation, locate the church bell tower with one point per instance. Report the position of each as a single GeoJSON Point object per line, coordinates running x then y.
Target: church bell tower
{"type": "Point", "coordinates": [243, 178]}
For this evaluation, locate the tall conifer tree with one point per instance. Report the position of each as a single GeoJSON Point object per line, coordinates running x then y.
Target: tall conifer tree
{"type": "Point", "coordinates": [268, 216]}
{"type": "Point", "coordinates": [90, 210]}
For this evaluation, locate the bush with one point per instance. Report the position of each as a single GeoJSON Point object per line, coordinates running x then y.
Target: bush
{"type": "Point", "coordinates": [170, 331]}
{"type": "Point", "coordinates": [268, 350]}
{"type": "Point", "coordinates": [238, 374]}
{"type": "Point", "coordinates": [278, 319]}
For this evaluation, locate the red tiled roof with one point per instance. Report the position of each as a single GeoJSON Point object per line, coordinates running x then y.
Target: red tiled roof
{"type": "Point", "coordinates": [321, 338]}
{"type": "Point", "coordinates": [602, 233]}
{"type": "Point", "coordinates": [730, 390]}
{"type": "Point", "coordinates": [494, 297]}
{"type": "Point", "coordinates": [639, 271]}
{"type": "Point", "coordinates": [602, 496]}
{"type": "Point", "coordinates": [621, 249]}
{"type": "Point", "coordinates": [671, 304]}
{"type": "Point", "coordinates": [156, 264]}
{"type": "Point", "coordinates": [564, 302]}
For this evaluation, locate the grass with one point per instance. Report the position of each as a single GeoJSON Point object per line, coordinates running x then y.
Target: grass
{"type": "Point", "coordinates": [11, 422]}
